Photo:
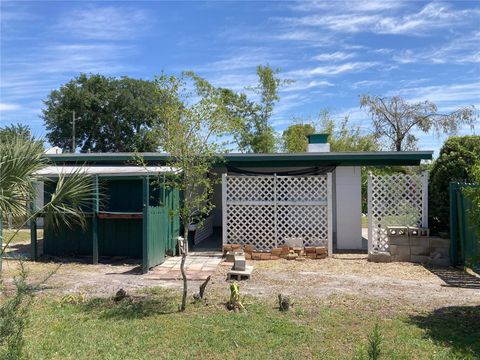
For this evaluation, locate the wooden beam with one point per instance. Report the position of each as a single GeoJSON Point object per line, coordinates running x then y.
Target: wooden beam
{"type": "Point", "coordinates": [119, 216]}
{"type": "Point", "coordinates": [33, 239]}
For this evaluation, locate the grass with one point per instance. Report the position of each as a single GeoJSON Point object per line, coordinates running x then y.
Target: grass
{"type": "Point", "coordinates": [21, 237]}
{"type": "Point", "coordinates": [148, 326]}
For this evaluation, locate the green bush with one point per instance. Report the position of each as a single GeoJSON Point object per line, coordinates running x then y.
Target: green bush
{"type": "Point", "coordinates": [457, 158]}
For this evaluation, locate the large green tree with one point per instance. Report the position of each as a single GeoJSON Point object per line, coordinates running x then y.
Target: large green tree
{"type": "Point", "coordinates": [458, 157]}
{"type": "Point", "coordinates": [257, 134]}
{"type": "Point", "coordinates": [394, 119]}
{"type": "Point", "coordinates": [111, 114]}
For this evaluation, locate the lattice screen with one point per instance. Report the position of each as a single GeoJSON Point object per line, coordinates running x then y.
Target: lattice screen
{"type": "Point", "coordinates": [266, 211]}
{"type": "Point", "coordinates": [397, 199]}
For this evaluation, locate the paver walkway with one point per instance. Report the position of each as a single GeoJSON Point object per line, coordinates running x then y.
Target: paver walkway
{"type": "Point", "coordinates": [198, 266]}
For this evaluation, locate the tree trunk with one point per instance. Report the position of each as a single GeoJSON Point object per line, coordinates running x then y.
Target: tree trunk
{"type": "Point", "coordinates": [182, 269]}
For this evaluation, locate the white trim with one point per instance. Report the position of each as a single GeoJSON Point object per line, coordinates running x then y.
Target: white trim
{"type": "Point", "coordinates": [425, 200]}
{"type": "Point", "coordinates": [370, 219]}
{"type": "Point", "coordinates": [105, 170]}
{"type": "Point", "coordinates": [330, 214]}
{"type": "Point", "coordinates": [224, 208]}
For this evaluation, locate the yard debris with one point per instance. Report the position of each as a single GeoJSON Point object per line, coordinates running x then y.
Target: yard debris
{"type": "Point", "coordinates": [199, 295]}
{"type": "Point", "coordinates": [284, 303]}
{"type": "Point", "coordinates": [120, 295]}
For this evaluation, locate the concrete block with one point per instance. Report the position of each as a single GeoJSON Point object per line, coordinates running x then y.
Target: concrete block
{"type": "Point", "coordinates": [420, 250]}
{"type": "Point", "coordinates": [443, 252]}
{"type": "Point", "coordinates": [401, 257]}
{"type": "Point", "coordinates": [420, 259]}
{"type": "Point", "coordinates": [414, 231]}
{"type": "Point", "coordinates": [380, 257]}
{"type": "Point", "coordinates": [230, 256]}
{"type": "Point", "coordinates": [398, 240]}
{"type": "Point", "coordinates": [393, 231]}
{"type": "Point", "coordinates": [420, 241]}
{"type": "Point", "coordinates": [401, 250]}
{"type": "Point", "coordinates": [441, 261]}
{"type": "Point", "coordinates": [439, 242]}
{"type": "Point", "coordinates": [239, 263]}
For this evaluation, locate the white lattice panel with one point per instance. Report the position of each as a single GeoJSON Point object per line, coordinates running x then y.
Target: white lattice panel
{"type": "Point", "coordinates": [264, 211]}
{"type": "Point", "coordinates": [398, 199]}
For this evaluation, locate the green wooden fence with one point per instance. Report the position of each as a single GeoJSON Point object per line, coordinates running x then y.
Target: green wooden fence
{"type": "Point", "coordinates": [464, 244]}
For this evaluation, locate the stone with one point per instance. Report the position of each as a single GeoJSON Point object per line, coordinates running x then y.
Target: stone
{"type": "Point", "coordinates": [310, 250]}
{"type": "Point", "coordinates": [249, 248]}
{"type": "Point", "coordinates": [285, 250]}
{"type": "Point", "coordinates": [379, 256]}
{"type": "Point", "coordinates": [276, 251]}
{"type": "Point", "coordinates": [320, 250]}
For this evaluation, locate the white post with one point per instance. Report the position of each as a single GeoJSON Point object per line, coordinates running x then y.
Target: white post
{"type": "Point", "coordinates": [369, 205]}
{"type": "Point", "coordinates": [425, 199]}
{"type": "Point", "coordinates": [330, 214]}
{"type": "Point", "coordinates": [275, 222]}
{"type": "Point", "coordinates": [224, 208]}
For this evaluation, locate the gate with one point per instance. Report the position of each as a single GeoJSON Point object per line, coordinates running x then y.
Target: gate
{"type": "Point", "coordinates": [269, 210]}
{"type": "Point", "coordinates": [395, 200]}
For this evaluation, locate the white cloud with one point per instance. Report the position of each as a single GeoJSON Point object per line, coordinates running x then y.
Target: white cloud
{"type": "Point", "coordinates": [8, 106]}
{"type": "Point", "coordinates": [466, 94]}
{"type": "Point", "coordinates": [336, 56]}
{"type": "Point", "coordinates": [105, 23]}
{"type": "Point", "coordinates": [331, 70]}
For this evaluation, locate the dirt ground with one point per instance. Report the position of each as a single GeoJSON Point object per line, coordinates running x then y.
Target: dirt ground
{"type": "Point", "coordinates": [345, 278]}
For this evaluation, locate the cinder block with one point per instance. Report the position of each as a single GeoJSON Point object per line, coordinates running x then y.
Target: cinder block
{"type": "Point", "coordinates": [230, 256]}
{"type": "Point", "coordinates": [444, 261]}
{"type": "Point", "coordinates": [401, 258]}
{"type": "Point", "coordinates": [443, 252]}
{"type": "Point", "coordinates": [439, 242]}
{"type": "Point", "coordinates": [398, 240]}
{"type": "Point", "coordinates": [397, 231]}
{"type": "Point", "coordinates": [420, 259]}
{"type": "Point", "coordinates": [379, 257]}
{"type": "Point", "coordinates": [399, 250]}
{"type": "Point", "coordinates": [420, 241]}
{"type": "Point", "coordinates": [239, 263]}
{"type": "Point", "coordinates": [420, 250]}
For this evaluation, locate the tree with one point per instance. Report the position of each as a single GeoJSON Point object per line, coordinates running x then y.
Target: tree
{"type": "Point", "coordinates": [395, 119]}
{"type": "Point", "coordinates": [191, 120]}
{"type": "Point", "coordinates": [345, 137]}
{"type": "Point", "coordinates": [457, 158]}
{"type": "Point", "coordinates": [257, 134]}
{"type": "Point", "coordinates": [295, 137]}
{"type": "Point", "coordinates": [111, 114]}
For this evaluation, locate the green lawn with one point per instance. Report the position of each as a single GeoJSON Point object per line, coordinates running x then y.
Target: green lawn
{"type": "Point", "coordinates": [149, 327]}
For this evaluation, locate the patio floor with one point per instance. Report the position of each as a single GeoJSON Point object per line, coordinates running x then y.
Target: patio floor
{"type": "Point", "coordinates": [198, 266]}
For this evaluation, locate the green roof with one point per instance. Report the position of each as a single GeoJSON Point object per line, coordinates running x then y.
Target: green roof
{"type": "Point", "coordinates": [380, 158]}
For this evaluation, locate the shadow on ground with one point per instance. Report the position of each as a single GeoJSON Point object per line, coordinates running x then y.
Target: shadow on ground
{"type": "Point", "coordinates": [457, 327]}
{"type": "Point", "coordinates": [456, 277]}
{"type": "Point", "coordinates": [132, 307]}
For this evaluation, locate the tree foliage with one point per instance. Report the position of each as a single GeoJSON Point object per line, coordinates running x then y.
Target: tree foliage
{"type": "Point", "coordinates": [473, 194]}
{"type": "Point", "coordinates": [191, 119]}
{"type": "Point", "coordinates": [395, 119]}
{"type": "Point", "coordinates": [257, 134]}
{"type": "Point", "coordinates": [295, 137]}
{"type": "Point", "coordinates": [112, 114]}
{"type": "Point", "coordinates": [457, 158]}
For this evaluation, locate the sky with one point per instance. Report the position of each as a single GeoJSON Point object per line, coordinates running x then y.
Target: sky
{"type": "Point", "coordinates": [334, 50]}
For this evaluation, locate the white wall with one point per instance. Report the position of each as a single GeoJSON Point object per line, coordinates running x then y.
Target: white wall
{"type": "Point", "coordinates": [348, 207]}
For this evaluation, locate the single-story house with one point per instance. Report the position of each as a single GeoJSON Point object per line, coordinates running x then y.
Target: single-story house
{"type": "Point", "coordinates": [265, 200]}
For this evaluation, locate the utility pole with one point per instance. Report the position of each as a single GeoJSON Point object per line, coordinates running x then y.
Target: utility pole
{"type": "Point", "coordinates": [73, 132]}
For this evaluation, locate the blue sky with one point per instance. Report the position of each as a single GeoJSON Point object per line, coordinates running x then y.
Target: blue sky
{"type": "Point", "coordinates": [335, 50]}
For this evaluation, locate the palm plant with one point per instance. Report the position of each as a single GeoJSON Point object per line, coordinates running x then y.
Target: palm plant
{"type": "Point", "coordinates": [21, 159]}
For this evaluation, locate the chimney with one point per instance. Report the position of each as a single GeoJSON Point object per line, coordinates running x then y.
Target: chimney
{"type": "Point", "coordinates": [318, 143]}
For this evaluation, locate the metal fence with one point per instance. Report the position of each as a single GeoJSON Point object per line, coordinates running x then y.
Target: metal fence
{"type": "Point", "coordinates": [464, 242]}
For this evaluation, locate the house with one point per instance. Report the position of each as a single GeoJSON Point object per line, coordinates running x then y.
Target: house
{"type": "Point", "coordinates": [265, 200]}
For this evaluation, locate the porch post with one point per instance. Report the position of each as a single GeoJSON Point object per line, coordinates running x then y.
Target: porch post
{"type": "Point", "coordinates": [95, 222]}
{"type": "Point", "coordinates": [369, 206]}
{"type": "Point", "coordinates": [33, 239]}
{"type": "Point", "coordinates": [425, 199]}
{"type": "Point", "coordinates": [330, 213]}
{"type": "Point", "coordinates": [224, 208]}
{"type": "Point", "coordinates": [275, 219]}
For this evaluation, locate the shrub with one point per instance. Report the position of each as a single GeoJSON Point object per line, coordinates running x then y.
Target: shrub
{"type": "Point", "coordinates": [457, 158]}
